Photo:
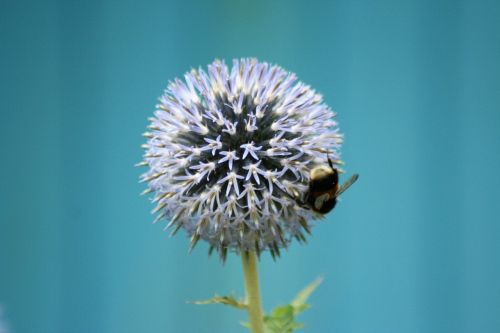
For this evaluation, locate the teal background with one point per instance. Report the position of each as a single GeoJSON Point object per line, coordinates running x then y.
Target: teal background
{"type": "Point", "coordinates": [413, 247]}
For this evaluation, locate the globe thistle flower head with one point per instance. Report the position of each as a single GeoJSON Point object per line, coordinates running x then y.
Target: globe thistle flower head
{"type": "Point", "coordinates": [228, 146]}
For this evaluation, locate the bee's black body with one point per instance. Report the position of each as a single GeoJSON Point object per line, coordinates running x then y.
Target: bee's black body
{"type": "Point", "coordinates": [323, 186]}
{"type": "Point", "coordinates": [324, 189]}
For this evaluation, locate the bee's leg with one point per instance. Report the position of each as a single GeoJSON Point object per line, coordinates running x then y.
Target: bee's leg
{"type": "Point", "coordinates": [294, 198]}
{"type": "Point", "coordinates": [304, 204]}
{"type": "Point", "coordinates": [299, 202]}
{"type": "Point", "coordinates": [306, 198]}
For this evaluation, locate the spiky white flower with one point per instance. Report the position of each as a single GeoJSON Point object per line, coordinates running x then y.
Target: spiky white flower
{"type": "Point", "coordinates": [227, 146]}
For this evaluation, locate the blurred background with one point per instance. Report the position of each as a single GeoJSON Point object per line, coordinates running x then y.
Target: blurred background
{"type": "Point", "coordinates": [413, 247]}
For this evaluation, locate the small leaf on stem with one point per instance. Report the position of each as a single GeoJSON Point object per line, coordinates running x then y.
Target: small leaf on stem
{"type": "Point", "coordinates": [226, 300]}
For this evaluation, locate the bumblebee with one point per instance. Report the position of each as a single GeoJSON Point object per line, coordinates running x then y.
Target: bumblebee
{"type": "Point", "coordinates": [324, 189]}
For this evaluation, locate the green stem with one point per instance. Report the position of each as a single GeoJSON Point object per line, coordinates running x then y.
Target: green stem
{"type": "Point", "coordinates": [252, 291]}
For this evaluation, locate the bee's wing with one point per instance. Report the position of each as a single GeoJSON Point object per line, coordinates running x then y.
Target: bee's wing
{"type": "Point", "coordinates": [347, 184]}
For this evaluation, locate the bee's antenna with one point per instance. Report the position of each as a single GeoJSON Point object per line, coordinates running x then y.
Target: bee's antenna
{"type": "Point", "coordinates": [329, 161]}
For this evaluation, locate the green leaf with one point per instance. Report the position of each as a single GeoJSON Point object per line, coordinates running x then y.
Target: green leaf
{"type": "Point", "coordinates": [226, 300]}
{"type": "Point", "coordinates": [299, 303]}
{"type": "Point", "coordinates": [283, 318]}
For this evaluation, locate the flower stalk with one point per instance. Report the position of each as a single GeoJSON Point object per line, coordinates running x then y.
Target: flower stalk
{"type": "Point", "coordinates": [252, 291]}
